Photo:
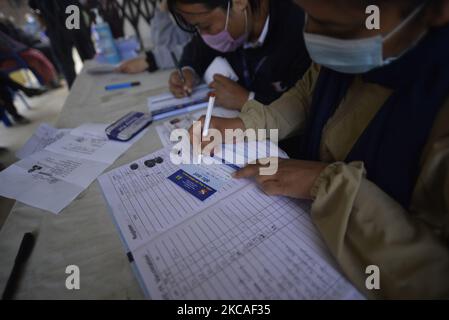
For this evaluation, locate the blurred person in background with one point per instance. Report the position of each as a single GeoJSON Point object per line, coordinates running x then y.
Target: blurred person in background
{"type": "Point", "coordinates": [32, 38]}
{"type": "Point", "coordinates": [12, 51]}
{"type": "Point", "coordinates": [259, 39]}
{"type": "Point", "coordinates": [7, 89]}
{"type": "Point", "coordinates": [63, 40]}
{"type": "Point", "coordinates": [166, 37]}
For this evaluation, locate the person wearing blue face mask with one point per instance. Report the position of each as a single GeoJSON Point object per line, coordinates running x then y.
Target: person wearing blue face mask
{"type": "Point", "coordinates": [257, 37]}
{"type": "Point", "coordinates": [354, 56]}
{"type": "Point", "coordinates": [373, 116]}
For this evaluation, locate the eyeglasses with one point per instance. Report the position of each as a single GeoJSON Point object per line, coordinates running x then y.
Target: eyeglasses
{"type": "Point", "coordinates": [186, 26]}
{"type": "Point", "coordinates": [183, 24]}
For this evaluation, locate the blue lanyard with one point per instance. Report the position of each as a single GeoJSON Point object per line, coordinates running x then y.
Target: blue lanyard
{"type": "Point", "coordinates": [246, 73]}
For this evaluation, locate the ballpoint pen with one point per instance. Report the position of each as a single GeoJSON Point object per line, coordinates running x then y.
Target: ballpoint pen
{"type": "Point", "coordinates": [180, 71]}
{"type": "Point", "coordinates": [210, 108]}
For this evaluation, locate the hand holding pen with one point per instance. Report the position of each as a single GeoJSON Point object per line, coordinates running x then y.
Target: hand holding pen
{"type": "Point", "coordinates": [182, 81]}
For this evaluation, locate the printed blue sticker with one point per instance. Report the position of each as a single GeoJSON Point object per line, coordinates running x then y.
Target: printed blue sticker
{"type": "Point", "coordinates": [192, 185]}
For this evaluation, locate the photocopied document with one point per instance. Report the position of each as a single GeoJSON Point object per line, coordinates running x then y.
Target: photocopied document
{"type": "Point", "coordinates": [48, 180]}
{"type": "Point", "coordinates": [90, 142]}
{"type": "Point", "coordinates": [56, 174]}
{"type": "Point", "coordinates": [185, 122]}
{"type": "Point", "coordinates": [236, 243]}
{"type": "Point", "coordinates": [164, 130]}
{"type": "Point", "coordinates": [44, 135]}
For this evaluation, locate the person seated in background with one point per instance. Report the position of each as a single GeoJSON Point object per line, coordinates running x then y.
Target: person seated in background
{"type": "Point", "coordinates": [374, 113]}
{"type": "Point", "coordinates": [7, 87]}
{"type": "Point", "coordinates": [258, 38]}
{"type": "Point", "coordinates": [166, 37]}
{"type": "Point", "coordinates": [33, 41]}
{"type": "Point", "coordinates": [34, 59]}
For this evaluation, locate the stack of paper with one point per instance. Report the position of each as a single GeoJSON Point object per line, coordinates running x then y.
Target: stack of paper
{"type": "Point", "coordinates": [166, 105]}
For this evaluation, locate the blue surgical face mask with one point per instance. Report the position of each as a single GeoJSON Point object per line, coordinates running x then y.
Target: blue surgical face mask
{"type": "Point", "coordinates": [353, 56]}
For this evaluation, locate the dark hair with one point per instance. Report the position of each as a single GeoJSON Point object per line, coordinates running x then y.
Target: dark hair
{"type": "Point", "coordinates": [209, 4]}
{"type": "Point", "coordinates": [407, 5]}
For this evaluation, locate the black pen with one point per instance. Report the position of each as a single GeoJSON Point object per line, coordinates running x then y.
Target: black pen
{"type": "Point", "coordinates": [22, 256]}
{"type": "Point", "coordinates": [178, 66]}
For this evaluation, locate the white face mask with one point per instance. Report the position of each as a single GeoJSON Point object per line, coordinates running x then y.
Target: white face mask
{"type": "Point", "coordinates": [353, 56]}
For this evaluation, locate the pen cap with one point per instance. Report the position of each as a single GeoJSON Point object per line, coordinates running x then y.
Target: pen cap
{"type": "Point", "coordinates": [208, 114]}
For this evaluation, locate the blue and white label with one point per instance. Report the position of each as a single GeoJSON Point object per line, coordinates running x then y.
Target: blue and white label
{"type": "Point", "coordinates": [192, 184]}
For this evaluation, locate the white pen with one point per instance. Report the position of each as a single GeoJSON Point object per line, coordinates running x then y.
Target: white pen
{"type": "Point", "coordinates": [210, 108]}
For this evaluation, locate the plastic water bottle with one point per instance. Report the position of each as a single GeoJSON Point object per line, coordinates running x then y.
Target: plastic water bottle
{"type": "Point", "coordinates": [104, 41]}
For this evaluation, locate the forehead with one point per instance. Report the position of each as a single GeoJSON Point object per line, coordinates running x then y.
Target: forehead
{"type": "Point", "coordinates": [191, 8]}
{"type": "Point", "coordinates": [197, 12]}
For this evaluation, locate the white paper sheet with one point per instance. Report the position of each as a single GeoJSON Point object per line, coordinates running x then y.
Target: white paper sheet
{"type": "Point", "coordinates": [148, 192]}
{"type": "Point", "coordinates": [238, 244]}
{"type": "Point", "coordinates": [90, 142]}
{"type": "Point", "coordinates": [167, 100]}
{"type": "Point", "coordinates": [53, 177]}
{"type": "Point", "coordinates": [44, 135]}
{"type": "Point", "coordinates": [248, 246]}
{"type": "Point", "coordinates": [248, 152]}
{"type": "Point", "coordinates": [220, 66]}
{"type": "Point", "coordinates": [48, 180]}
{"type": "Point", "coordinates": [77, 171]}
{"type": "Point", "coordinates": [185, 122]}
{"type": "Point", "coordinates": [164, 130]}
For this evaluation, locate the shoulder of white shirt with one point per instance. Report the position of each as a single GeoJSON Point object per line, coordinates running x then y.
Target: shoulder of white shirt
{"type": "Point", "coordinates": [262, 37]}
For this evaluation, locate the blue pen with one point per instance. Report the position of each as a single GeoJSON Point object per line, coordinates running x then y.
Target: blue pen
{"type": "Point", "coordinates": [119, 86]}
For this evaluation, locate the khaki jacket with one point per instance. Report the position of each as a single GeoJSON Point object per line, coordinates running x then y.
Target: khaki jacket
{"type": "Point", "coordinates": [360, 223]}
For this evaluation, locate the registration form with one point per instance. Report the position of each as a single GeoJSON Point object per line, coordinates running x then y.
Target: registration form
{"type": "Point", "coordinates": [235, 243]}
